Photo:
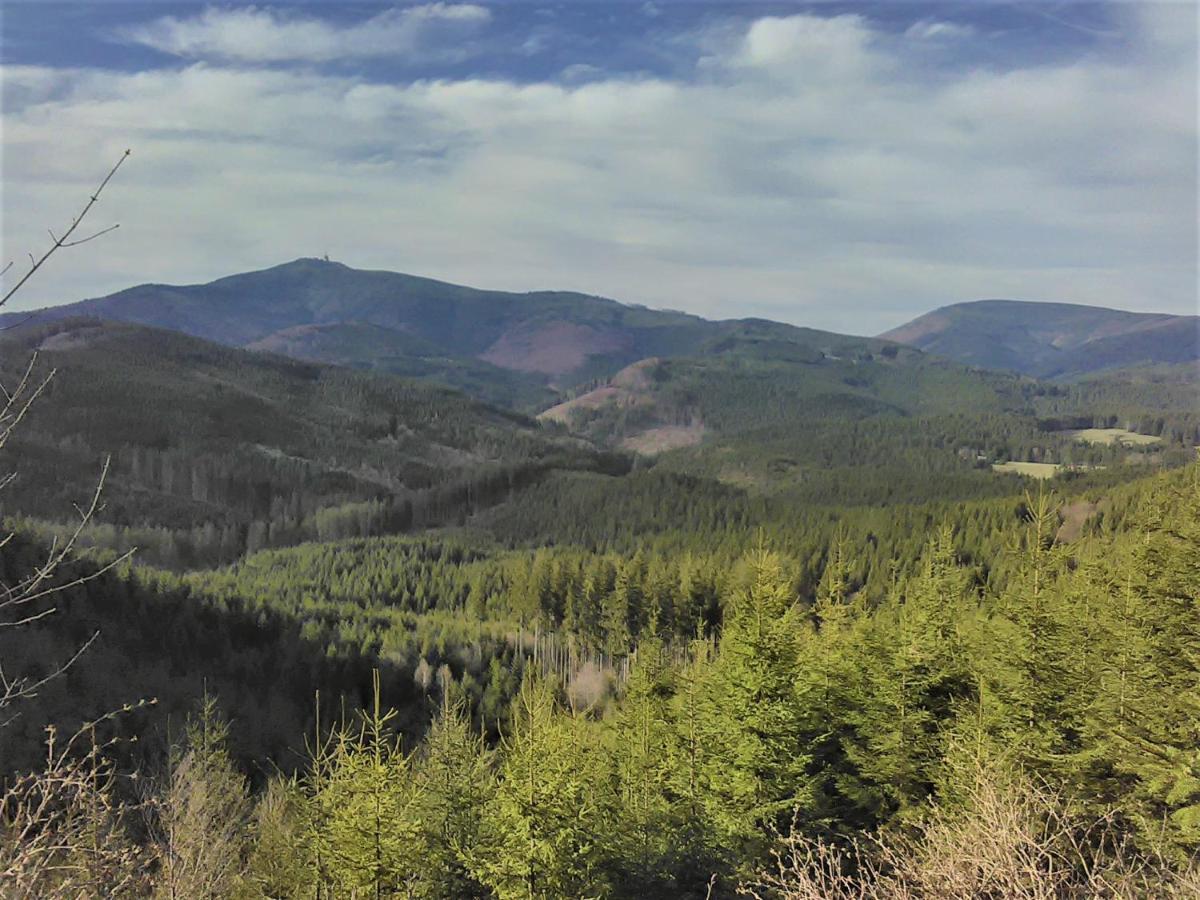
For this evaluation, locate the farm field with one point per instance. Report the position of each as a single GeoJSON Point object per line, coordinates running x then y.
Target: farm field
{"type": "Point", "coordinates": [1114, 436]}
{"type": "Point", "coordinates": [1032, 469]}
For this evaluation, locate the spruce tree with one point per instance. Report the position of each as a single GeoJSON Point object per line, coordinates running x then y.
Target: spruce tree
{"type": "Point", "coordinates": [453, 782]}
{"type": "Point", "coordinates": [545, 829]}
{"type": "Point", "coordinates": [752, 725]}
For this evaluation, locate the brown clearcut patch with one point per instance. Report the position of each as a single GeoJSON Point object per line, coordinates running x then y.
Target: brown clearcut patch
{"type": "Point", "coordinates": [664, 438]}
{"type": "Point", "coordinates": [628, 387]}
{"type": "Point", "coordinates": [636, 376]}
{"type": "Point", "coordinates": [593, 399]}
{"type": "Point", "coordinates": [555, 348]}
{"type": "Point", "coordinates": [929, 324]}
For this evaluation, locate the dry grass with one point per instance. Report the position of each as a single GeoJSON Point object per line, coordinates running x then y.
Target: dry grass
{"type": "Point", "coordinates": [1032, 469]}
{"type": "Point", "coordinates": [664, 438]}
{"type": "Point", "coordinates": [1114, 436]}
{"type": "Point", "coordinates": [1012, 841]}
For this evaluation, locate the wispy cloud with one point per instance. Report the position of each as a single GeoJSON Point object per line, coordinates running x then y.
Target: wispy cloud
{"type": "Point", "coordinates": [251, 34]}
{"type": "Point", "coordinates": [813, 170]}
{"type": "Point", "coordinates": [932, 30]}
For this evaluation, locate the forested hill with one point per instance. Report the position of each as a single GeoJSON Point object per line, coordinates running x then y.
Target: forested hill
{"type": "Point", "coordinates": [217, 450]}
{"type": "Point", "coordinates": [328, 311]}
{"type": "Point", "coordinates": [1051, 340]}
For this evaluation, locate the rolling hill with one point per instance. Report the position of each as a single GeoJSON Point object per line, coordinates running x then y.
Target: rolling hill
{"type": "Point", "coordinates": [752, 402]}
{"type": "Point", "coordinates": [503, 346]}
{"type": "Point", "coordinates": [758, 380]}
{"type": "Point", "coordinates": [213, 445]}
{"type": "Point", "coordinates": [360, 345]}
{"type": "Point", "coordinates": [1051, 340]}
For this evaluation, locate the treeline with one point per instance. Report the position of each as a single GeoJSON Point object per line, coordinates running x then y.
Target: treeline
{"type": "Point", "coordinates": [158, 637]}
{"type": "Point", "coordinates": [815, 722]}
{"type": "Point", "coordinates": [301, 515]}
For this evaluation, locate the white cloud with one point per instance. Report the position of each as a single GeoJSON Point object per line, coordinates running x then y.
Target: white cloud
{"type": "Point", "coordinates": [251, 34]}
{"type": "Point", "coordinates": [929, 30]}
{"type": "Point", "coordinates": [815, 173]}
{"type": "Point", "coordinates": [812, 46]}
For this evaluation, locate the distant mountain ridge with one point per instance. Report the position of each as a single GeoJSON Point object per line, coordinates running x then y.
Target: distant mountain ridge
{"type": "Point", "coordinates": [1050, 340]}
{"type": "Point", "coordinates": [528, 351]}
{"type": "Point", "coordinates": [326, 311]}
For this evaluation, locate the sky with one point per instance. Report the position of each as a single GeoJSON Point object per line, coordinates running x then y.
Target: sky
{"type": "Point", "coordinates": [839, 165]}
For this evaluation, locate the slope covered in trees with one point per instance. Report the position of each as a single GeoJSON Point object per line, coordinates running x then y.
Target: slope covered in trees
{"type": "Point", "coordinates": [1051, 340]}
{"type": "Point", "coordinates": [844, 421]}
{"type": "Point", "coordinates": [920, 714]}
{"type": "Point", "coordinates": [218, 451]}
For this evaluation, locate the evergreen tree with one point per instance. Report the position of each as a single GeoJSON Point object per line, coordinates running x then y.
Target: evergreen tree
{"type": "Point", "coordinates": [752, 723]}
{"type": "Point", "coordinates": [546, 826]}
{"type": "Point", "coordinates": [1032, 644]}
{"type": "Point", "coordinates": [202, 815]}
{"type": "Point", "coordinates": [1146, 718]}
{"type": "Point", "coordinates": [364, 823]}
{"type": "Point", "coordinates": [916, 676]}
{"type": "Point", "coordinates": [453, 783]}
{"type": "Point", "coordinates": [655, 850]}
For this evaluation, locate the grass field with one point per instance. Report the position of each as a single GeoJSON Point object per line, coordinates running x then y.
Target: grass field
{"type": "Point", "coordinates": [1033, 470]}
{"type": "Point", "coordinates": [1114, 436]}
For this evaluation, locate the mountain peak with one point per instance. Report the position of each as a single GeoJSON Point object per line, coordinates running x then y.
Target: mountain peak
{"type": "Point", "coordinates": [1050, 339]}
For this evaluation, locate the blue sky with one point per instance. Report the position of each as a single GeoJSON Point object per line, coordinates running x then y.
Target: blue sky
{"type": "Point", "coordinates": [840, 165]}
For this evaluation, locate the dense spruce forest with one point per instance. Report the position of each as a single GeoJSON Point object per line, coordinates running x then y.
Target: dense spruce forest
{"type": "Point", "coordinates": [565, 723]}
{"type": "Point", "coordinates": [774, 616]}
{"type": "Point", "coordinates": [735, 450]}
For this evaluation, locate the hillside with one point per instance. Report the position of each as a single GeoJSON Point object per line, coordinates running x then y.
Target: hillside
{"type": "Point", "coordinates": [835, 419]}
{"type": "Point", "coordinates": [1050, 340]}
{"type": "Point", "coordinates": [402, 323]}
{"type": "Point", "coordinates": [358, 345]}
{"type": "Point", "coordinates": [759, 379]}
{"type": "Point", "coordinates": [217, 450]}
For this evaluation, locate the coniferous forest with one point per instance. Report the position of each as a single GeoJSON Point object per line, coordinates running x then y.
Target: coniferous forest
{"type": "Point", "coordinates": [321, 582]}
{"type": "Point", "coordinates": [379, 668]}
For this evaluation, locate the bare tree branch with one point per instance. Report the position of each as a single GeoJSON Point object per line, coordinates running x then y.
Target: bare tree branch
{"type": "Point", "coordinates": [21, 602]}
{"type": "Point", "coordinates": [60, 242]}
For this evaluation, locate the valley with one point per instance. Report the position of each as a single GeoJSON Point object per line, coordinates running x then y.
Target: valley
{"type": "Point", "coordinates": [483, 450]}
{"type": "Point", "coordinates": [544, 489]}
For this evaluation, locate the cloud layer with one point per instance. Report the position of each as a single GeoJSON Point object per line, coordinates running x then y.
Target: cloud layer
{"type": "Point", "coordinates": [816, 169]}
{"type": "Point", "coordinates": [258, 35]}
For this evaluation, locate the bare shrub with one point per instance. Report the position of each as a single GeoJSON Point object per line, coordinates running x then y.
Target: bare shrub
{"type": "Point", "coordinates": [1011, 839]}
{"type": "Point", "coordinates": [588, 686]}
{"type": "Point", "coordinates": [64, 830]}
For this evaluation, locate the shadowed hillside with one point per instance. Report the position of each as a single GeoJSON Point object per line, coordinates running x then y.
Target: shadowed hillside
{"type": "Point", "coordinates": [407, 324]}
{"type": "Point", "coordinates": [217, 450]}
{"type": "Point", "coordinates": [1050, 340]}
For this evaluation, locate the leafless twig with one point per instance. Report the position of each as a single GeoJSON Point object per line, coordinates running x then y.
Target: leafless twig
{"type": "Point", "coordinates": [64, 241]}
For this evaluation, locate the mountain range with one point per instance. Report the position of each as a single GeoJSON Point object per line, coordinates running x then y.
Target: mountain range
{"type": "Point", "coordinates": [523, 350]}
{"type": "Point", "coordinates": [1051, 340]}
{"type": "Point", "coordinates": [313, 400]}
